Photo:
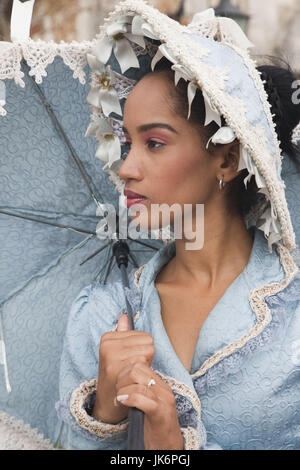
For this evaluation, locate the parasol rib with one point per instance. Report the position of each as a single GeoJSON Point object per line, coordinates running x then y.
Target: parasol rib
{"type": "Point", "coordinates": [96, 253]}
{"type": "Point", "coordinates": [143, 243]}
{"type": "Point", "coordinates": [108, 269]}
{"type": "Point", "coordinates": [86, 232]}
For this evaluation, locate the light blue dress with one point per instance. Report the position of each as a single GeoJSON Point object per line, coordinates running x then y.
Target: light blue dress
{"type": "Point", "coordinates": [243, 390]}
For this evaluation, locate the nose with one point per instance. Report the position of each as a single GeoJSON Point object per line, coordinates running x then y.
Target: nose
{"type": "Point", "coordinates": [130, 168]}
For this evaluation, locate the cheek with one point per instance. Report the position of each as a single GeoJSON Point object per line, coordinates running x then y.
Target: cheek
{"type": "Point", "coordinates": [189, 177]}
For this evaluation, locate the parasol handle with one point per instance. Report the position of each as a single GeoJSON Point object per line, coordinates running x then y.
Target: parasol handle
{"type": "Point", "coordinates": [136, 416]}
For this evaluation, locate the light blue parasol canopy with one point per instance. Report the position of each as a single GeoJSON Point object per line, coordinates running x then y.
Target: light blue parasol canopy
{"type": "Point", "coordinates": [50, 185]}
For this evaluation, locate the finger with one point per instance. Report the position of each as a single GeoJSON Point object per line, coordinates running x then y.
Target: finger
{"type": "Point", "coordinates": [135, 388]}
{"type": "Point", "coordinates": [131, 334]}
{"type": "Point", "coordinates": [163, 397]}
{"type": "Point", "coordinates": [141, 375]}
{"type": "Point", "coordinates": [138, 400]}
{"type": "Point", "coordinates": [132, 340]}
{"type": "Point", "coordinates": [120, 342]}
{"type": "Point", "coordinates": [146, 350]}
{"type": "Point", "coordinates": [123, 323]}
{"type": "Point", "coordinates": [138, 373]}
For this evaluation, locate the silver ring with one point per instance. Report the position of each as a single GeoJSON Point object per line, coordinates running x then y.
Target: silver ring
{"type": "Point", "coordinates": [151, 383]}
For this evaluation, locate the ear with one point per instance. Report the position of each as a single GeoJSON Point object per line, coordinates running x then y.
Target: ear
{"type": "Point", "coordinates": [229, 161]}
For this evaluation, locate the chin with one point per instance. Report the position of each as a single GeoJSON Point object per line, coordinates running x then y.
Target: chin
{"type": "Point", "coordinates": [142, 224]}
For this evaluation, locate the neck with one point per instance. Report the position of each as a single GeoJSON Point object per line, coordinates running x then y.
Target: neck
{"type": "Point", "coordinates": [226, 250]}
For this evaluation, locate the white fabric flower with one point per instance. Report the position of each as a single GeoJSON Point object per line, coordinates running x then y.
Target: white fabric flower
{"type": "Point", "coordinates": [109, 149]}
{"type": "Point", "coordinates": [117, 40]}
{"type": "Point", "coordinates": [103, 94]}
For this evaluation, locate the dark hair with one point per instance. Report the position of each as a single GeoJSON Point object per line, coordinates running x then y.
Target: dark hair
{"type": "Point", "coordinates": [279, 89]}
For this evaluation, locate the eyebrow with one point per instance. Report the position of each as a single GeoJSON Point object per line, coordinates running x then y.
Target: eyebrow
{"type": "Point", "coordinates": [147, 127]}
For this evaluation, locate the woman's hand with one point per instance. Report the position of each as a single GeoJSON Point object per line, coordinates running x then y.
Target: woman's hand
{"type": "Point", "coordinates": [161, 426]}
{"type": "Point", "coordinates": [117, 349]}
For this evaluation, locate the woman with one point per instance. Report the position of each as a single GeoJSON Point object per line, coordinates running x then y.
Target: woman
{"type": "Point", "coordinates": [213, 360]}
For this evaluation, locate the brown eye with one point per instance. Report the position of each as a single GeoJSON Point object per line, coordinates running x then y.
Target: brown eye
{"type": "Point", "coordinates": [152, 144]}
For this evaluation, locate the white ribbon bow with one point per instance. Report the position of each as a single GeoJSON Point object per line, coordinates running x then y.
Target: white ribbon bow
{"type": "Point", "coordinates": [21, 20]}
{"type": "Point", "coordinates": [228, 29]}
{"type": "Point", "coordinates": [124, 30]}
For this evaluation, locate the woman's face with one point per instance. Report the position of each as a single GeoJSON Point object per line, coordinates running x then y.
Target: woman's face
{"type": "Point", "coordinates": [167, 162]}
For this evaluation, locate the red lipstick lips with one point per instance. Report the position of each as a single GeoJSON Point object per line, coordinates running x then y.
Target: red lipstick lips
{"type": "Point", "coordinates": [132, 194]}
{"type": "Point", "coordinates": [133, 198]}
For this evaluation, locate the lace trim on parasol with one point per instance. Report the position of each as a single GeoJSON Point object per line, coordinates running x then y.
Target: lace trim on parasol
{"type": "Point", "coordinates": [16, 435]}
{"type": "Point", "coordinates": [38, 55]}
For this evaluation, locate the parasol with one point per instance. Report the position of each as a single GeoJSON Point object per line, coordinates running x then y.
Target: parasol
{"type": "Point", "coordinates": [52, 194]}
{"type": "Point", "coordinates": [16, 435]}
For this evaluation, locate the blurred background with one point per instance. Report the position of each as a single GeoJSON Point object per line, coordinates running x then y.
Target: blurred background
{"type": "Point", "coordinates": [272, 25]}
